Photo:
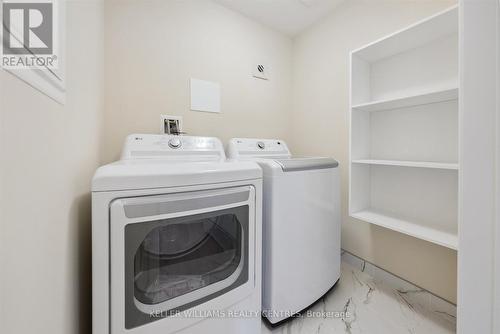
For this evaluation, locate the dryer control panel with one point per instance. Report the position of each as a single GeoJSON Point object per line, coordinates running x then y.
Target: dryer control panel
{"type": "Point", "coordinates": [148, 146]}
{"type": "Point", "coordinates": [252, 148]}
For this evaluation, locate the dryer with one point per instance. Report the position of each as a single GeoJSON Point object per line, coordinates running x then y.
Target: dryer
{"type": "Point", "coordinates": [176, 239]}
{"type": "Point", "coordinates": [301, 225]}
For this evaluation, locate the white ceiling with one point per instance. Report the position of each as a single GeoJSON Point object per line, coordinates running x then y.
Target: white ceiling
{"type": "Point", "coordinates": [287, 16]}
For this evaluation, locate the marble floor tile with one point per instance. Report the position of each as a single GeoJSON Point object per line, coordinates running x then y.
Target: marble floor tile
{"type": "Point", "coordinates": [361, 304]}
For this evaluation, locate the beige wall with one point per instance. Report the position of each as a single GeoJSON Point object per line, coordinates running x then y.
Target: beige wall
{"type": "Point", "coordinates": [48, 154]}
{"type": "Point", "coordinates": [320, 114]}
{"type": "Point", "coordinates": [153, 48]}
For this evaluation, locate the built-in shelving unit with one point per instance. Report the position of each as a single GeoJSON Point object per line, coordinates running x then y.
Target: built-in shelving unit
{"type": "Point", "coordinates": [404, 131]}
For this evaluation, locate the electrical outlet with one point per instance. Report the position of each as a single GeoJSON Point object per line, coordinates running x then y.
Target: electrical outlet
{"type": "Point", "coordinates": [171, 125]}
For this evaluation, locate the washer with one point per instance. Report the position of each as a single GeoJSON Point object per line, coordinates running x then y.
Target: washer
{"type": "Point", "coordinates": [176, 239]}
{"type": "Point", "coordinates": [301, 225]}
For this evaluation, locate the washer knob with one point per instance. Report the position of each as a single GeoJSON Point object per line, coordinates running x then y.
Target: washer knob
{"type": "Point", "coordinates": [261, 145]}
{"type": "Point", "coordinates": [174, 143]}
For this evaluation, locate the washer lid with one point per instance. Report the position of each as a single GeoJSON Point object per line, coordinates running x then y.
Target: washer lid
{"type": "Point", "coordinates": [145, 174]}
{"type": "Point", "coordinates": [300, 164]}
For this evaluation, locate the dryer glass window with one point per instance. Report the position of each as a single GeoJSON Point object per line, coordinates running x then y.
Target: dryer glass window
{"type": "Point", "coordinates": [181, 262]}
{"type": "Point", "coordinates": [175, 259]}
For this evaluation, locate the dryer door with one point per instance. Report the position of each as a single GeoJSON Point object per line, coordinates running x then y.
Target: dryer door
{"type": "Point", "coordinates": [173, 252]}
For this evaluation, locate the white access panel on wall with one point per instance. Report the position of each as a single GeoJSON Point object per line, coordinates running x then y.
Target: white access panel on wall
{"type": "Point", "coordinates": [205, 96]}
{"type": "Point", "coordinates": [404, 130]}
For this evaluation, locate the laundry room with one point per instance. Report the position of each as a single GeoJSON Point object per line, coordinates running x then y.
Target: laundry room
{"type": "Point", "coordinates": [250, 166]}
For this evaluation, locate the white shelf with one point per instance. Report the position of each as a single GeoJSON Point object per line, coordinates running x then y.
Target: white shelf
{"type": "Point", "coordinates": [446, 239]}
{"type": "Point", "coordinates": [424, 32]}
{"type": "Point", "coordinates": [417, 164]}
{"type": "Point", "coordinates": [409, 101]}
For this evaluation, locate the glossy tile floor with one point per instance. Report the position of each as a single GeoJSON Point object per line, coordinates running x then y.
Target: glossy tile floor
{"type": "Point", "coordinates": [361, 303]}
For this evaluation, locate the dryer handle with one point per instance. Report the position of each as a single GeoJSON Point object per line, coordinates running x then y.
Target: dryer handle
{"type": "Point", "coordinates": [183, 202]}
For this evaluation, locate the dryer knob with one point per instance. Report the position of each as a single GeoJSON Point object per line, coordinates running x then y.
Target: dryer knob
{"type": "Point", "coordinates": [174, 143]}
{"type": "Point", "coordinates": [261, 145]}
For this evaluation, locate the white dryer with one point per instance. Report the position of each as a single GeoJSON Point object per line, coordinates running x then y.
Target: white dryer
{"type": "Point", "coordinates": [176, 240]}
{"type": "Point", "coordinates": [301, 225]}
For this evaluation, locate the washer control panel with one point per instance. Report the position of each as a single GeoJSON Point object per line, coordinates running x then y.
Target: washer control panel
{"type": "Point", "coordinates": [248, 147]}
{"type": "Point", "coordinates": [144, 146]}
